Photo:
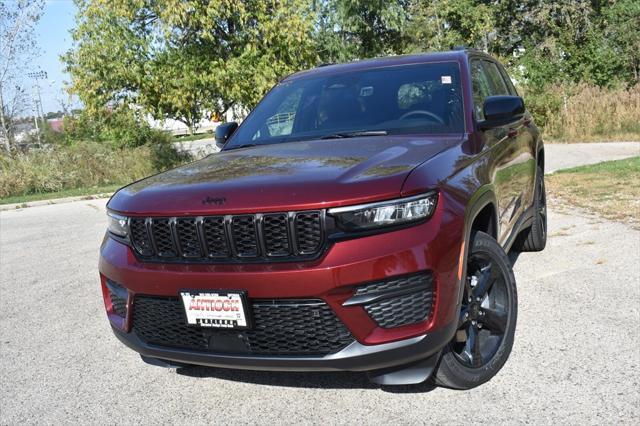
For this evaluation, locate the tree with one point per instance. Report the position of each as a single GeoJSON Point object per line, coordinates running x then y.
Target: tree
{"type": "Point", "coordinates": [443, 24]}
{"type": "Point", "coordinates": [622, 32]}
{"type": "Point", "coordinates": [17, 46]}
{"type": "Point", "coordinates": [360, 29]}
{"type": "Point", "coordinates": [180, 59]}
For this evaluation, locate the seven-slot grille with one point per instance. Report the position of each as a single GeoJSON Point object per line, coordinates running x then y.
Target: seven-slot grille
{"type": "Point", "coordinates": [228, 238]}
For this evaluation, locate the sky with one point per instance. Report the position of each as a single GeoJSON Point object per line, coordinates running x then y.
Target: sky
{"type": "Point", "coordinates": [53, 40]}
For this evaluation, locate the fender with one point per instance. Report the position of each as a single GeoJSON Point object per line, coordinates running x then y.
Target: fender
{"type": "Point", "coordinates": [479, 200]}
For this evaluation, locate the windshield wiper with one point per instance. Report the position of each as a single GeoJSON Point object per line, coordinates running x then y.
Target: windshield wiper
{"type": "Point", "coordinates": [355, 134]}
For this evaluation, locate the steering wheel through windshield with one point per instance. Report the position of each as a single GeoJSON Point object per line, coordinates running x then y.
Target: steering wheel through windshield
{"type": "Point", "coordinates": [429, 114]}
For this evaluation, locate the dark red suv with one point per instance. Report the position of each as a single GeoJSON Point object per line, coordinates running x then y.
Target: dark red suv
{"type": "Point", "coordinates": [357, 220]}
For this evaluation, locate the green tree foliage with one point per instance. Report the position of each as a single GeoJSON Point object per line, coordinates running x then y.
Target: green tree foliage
{"type": "Point", "coordinates": [444, 24]}
{"type": "Point", "coordinates": [181, 58]}
{"type": "Point", "coordinates": [178, 59]}
{"type": "Point", "coordinates": [360, 29]}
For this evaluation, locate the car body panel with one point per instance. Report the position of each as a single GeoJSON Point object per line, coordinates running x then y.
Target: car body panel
{"type": "Point", "coordinates": [284, 177]}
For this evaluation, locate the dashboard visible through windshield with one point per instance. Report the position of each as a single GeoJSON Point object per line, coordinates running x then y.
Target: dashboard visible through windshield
{"type": "Point", "coordinates": [420, 98]}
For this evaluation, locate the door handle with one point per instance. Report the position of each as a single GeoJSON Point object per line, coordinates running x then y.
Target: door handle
{"type": "Point", "coordinates": [512, 133]}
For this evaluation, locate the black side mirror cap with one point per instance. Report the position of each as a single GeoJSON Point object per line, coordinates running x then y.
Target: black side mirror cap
{"type": "Point", "coordinates": [500, 110]}
{"type": "Point", "coordinates": [224, 132]}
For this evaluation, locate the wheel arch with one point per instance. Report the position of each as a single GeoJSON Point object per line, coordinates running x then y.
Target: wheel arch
{"type": "Point", "coordinates": [480, 215]}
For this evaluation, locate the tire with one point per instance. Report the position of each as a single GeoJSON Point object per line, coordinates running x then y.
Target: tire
{"type": "Point", "coordinates": [535, 237]}
{"type": "Point", "coordinates": [474, 357]}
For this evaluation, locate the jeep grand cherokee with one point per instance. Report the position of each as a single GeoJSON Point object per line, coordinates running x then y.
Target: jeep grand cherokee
{"type": "Point", "coordinates": [357, 220]}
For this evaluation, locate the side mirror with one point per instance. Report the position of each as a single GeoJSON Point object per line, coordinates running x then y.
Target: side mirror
{"type": "Point", "coordinates": [500, 110]}
{"type": "Point", "coordinates": [224, 132]}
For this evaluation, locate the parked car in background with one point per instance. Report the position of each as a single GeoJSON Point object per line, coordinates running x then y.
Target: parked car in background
{"type": "Point", "coordinates": [358, 219]}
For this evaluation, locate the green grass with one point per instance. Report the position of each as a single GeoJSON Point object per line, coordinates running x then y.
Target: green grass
{"type": "Point", "coordinates": [189, 138]}
{"type": "Point", "coordinates": [60, 194]}
{"type": "Point", "coordinates": [609, 189]}
{"type": "Point", "coordinates": [621, 168]}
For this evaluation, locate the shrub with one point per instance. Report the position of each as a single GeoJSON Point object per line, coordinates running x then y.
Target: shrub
{"type": "Point", "coordinates": [80, 165]}
{"type": "Point", "coordinates": [585, 112]}
{"type": "Point", "coordinates": [120, 128]}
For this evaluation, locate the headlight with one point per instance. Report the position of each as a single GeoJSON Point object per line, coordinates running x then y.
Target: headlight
{"type": "Point", "coordinates": [386, 213]}
{"type": "Point", "coordinates": [117, 224]}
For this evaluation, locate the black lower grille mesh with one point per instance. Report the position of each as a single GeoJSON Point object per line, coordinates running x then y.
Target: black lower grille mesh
{"type": "Point", "coordinates": [281, 327]}
{"type": "Point", "coordinates": [408, 309]}
{"type": "Point", "coordinates": [118, 301]}
{"type": "Point", "coordinates": [399, 301]}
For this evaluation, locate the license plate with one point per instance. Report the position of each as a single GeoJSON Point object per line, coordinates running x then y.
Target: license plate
{"type": "Point", "coordinates": [216, 309]}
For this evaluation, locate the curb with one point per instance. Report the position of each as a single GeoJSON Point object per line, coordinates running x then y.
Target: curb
{"type": "Point", "coordinates": [17, 206]}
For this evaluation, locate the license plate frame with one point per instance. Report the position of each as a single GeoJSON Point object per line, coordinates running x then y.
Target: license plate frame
{"type": "Point", "coordinates": [208, 311]}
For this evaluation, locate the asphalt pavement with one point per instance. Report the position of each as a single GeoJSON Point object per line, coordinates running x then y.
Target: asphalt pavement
{"type": "Point", "coordinates": [576, 357]}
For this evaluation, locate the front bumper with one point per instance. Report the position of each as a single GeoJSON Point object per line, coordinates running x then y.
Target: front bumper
{"type": "Point", "coordinates": [355, 357]}
{"type": "Point", "coordinates": [433, 246]}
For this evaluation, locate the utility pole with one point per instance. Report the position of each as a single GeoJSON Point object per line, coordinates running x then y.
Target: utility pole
{"type": "Point", "coordinates": [37, 75]}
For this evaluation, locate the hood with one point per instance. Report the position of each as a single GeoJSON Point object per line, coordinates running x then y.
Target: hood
{"type": "Point", "coordinates": [283, 177]}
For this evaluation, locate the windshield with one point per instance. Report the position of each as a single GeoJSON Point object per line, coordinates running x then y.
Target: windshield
{"type": "Point", "coordinates": [422, 98]}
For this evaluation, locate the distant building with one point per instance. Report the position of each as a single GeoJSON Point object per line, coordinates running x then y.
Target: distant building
{"type": "Point", "coordinates": [56, 124]}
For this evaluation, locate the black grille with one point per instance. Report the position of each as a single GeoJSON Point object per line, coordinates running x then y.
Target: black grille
{"type": "Point", "coordinates": [398, 301]}
{"type": "Point", "coordinates": [187, 232]}
{"type": "Point", "coordinates": [394, 284]}
{"type": "Point", "coordinates": [229, 238]}
{"type": "Point", "coordinates": [215, 237]}
{"type": "Point", "coordinates": [308, 232]}
{"type": "Point", "coordinates": [276, 234]}
{"type": "Point", "coordinates": [140, 236]}
{"type": "Point", "coordinates": [245, 236]}
{"type": "Point", "coordinates": [280, 327]}
{"type": "Point", "coordinates": [409, 309]}
{"type": "Point", "coordinates": [118, 296]}
{"type": "Point", "coordinates": [161, 231]}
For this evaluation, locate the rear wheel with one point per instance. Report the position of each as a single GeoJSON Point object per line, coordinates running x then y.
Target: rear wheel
{"type": "Point", "coordinates": [487, 321]}
{"type": "Point", "coordinates": [535, 238]}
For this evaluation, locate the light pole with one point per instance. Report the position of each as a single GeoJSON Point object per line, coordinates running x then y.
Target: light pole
{"type": "Point", "coordinates": [37, 76]}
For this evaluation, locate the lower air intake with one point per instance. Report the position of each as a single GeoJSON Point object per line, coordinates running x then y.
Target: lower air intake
{"type": "Point", "coordinates": [281, 327]}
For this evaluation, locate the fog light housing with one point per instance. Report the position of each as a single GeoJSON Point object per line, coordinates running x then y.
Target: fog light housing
{"type": "Point", "coordinates": [116, 299]}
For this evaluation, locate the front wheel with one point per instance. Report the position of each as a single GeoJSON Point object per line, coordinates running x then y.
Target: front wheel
{"type": "Point", "coordinates": [487, 321]}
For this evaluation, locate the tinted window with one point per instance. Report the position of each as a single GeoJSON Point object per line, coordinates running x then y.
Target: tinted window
{"type": "Point", "coordinates": [424, 98]}
{"type": "Point", "coordinates": [498, 86]}
{"type": "Point", "coordinates": [486, 81]}
{"type": "Point", "coordinates": [507, 79]}
{"type": "Point", "coordinates": [481, 88]}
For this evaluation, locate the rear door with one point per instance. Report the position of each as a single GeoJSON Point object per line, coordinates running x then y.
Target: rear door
{"type": "Point", "coordinates": [511, 159]}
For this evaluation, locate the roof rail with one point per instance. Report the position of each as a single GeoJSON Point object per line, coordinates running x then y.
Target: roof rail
{"type": "Point", "coordinates": [325, 64]}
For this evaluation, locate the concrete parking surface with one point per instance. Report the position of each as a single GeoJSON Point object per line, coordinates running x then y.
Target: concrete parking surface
{"type": "Point", "coordinates": [576, 357]}
{"type": "Point", "coordinates": [562, 156]}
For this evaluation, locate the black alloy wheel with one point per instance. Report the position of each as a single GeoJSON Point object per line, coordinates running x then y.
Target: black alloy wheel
{"type": "Point", "coordinates": [484, 312]}
{"type": "Point", "coordinates": [487, 321]}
